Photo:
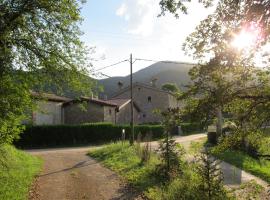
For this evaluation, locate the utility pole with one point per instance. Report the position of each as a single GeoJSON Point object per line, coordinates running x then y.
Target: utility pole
{"type": "Point", "coordinates": [131, 103]}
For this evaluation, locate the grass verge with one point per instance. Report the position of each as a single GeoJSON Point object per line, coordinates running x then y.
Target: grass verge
{"type": "Point", "coordinates": [17, 171]}
{"type": "Point", "coordinates": [123, 159]}
{"type": "Point", "coordinates": [241, 160]}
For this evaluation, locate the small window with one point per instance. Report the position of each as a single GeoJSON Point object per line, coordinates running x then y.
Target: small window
{"type": "Point", "coordinates": [110, 112]}
{"type": "Point", "coordinates": [139, 89]}
{"type": "Point", "coordinates": [149, 99]}
{"type": "Point", "coordinates": [144, 115]}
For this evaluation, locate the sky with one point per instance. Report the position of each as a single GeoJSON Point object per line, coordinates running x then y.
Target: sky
{"type": "Point", "coordinates": [117, 28]}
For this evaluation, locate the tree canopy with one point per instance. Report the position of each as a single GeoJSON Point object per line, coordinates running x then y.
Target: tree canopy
{"type": "Point", "coordinates": [226, 78]}
{"type": "Point", "coordinates": [39, 43]}
{"type": "Point", "coordinates": [170, 87]}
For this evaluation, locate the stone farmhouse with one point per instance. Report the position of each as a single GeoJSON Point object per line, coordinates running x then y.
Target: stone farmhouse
{"type": "Point", "coordinates": [53, 109]}
{"type": "Point", "coordinates": [149, 98]}
{"type": "Point", "coordinates": [88, 110]}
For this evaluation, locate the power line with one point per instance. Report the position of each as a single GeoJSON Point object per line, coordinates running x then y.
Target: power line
{"type": "Point", "coordinates": [141, 59]}
{"type": "Point", "coordinates": [105, 75]}
{"type": "Point", "coordinates": [168, 62]}
{"type": "Point", "coordinates": [111, 65]}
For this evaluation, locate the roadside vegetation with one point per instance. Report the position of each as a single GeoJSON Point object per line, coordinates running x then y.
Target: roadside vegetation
{"type": "Point", "coordinates": [17, 172]}
{"type": "Point", "coordinates": [257, 167]}
{"type": "Point", "coordinates": [182, 180]}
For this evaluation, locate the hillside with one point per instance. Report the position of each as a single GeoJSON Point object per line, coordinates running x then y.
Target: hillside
{"type": "Point", "coordinates": [163, 72]}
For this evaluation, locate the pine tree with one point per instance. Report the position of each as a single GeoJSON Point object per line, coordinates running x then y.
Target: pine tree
{"type": "Point", "coordinates": [211, 177]}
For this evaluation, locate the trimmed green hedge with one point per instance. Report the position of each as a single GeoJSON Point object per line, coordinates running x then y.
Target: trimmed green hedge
{"type": "Point", "coordinates": [191, 128]}
{"type": "Point", "coordinates": [68, 135]}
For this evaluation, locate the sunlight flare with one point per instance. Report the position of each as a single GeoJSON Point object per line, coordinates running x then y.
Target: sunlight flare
{"type": "Point", "coordinates": [245, 39]}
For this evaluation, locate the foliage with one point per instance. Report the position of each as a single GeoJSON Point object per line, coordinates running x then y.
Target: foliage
{"type": "Point", "coordinates": [39, 43]}
{"type": "Point", "coordinates": [170, 87]}
{"type": "Point", "coordinates": [17, 173]}
{"type": "Point", "coordinates": [185, 187]}
{"type": "Point", "coordinates": [144, 149]}
{"type": "Point", "coordinates": [226, 80]}
{"type": "Point", "coordinates": [211, 177]}
{"type": "Point", "coordinates": [243, 161]}
{"type": "Point", "coordinates": [63, 135]}
{"type": "Point", "coordinates": [226, 11]}
{"type": "Point", "coordinates": [171, 157]}
{"type": "Point", "coordinates": [123, 158]}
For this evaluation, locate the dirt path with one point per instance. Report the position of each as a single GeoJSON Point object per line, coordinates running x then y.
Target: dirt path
{"type": "Point", "coordinates": [72, 175]}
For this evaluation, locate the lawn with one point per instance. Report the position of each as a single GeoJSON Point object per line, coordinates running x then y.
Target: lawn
{"type": "Point", "coordinates": [17, 172]}
{"type": "Point", "coordinates": [260, 168]}
{"type": "Point", "coordinates": [123, 159]}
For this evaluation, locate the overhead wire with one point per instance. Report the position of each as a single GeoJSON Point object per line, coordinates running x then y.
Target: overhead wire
{"type": "Point", "coordinates": [138, 59]}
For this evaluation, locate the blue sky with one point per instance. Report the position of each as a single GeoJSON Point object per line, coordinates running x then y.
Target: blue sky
{"type": "Point", "coordinates": [120, 27]}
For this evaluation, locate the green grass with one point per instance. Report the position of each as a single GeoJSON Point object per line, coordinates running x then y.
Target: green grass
{"type": "Point", "coordinates": [17, 171]}
{"type": "Point", "coordinates": [247, 163]}
{"type": "Point", "coordinates": [123, 159]}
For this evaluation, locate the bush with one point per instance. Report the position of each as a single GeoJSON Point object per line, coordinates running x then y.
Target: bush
{"type": "Point", "coordinates": [189, 128]}
{"type": "Point", "coordinates": [66, 135]}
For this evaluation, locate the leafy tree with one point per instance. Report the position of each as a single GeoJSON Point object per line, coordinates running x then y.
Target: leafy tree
{"type": "Point", "coordinates": [39, 43]}
{"type": "Point", "coordinates": [226, 74]}
{"type": "Point", "coordinates": [170, 87]}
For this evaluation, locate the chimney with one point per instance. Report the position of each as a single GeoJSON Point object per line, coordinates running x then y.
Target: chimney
{"type": "Point", "coordinates": [120, 85]}
{"type": "Point", "coordinates": [154, 82]}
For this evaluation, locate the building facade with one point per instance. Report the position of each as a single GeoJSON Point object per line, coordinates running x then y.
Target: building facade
{"type": "Point", "coordinates": [149, 99]}
{"type": "Point", "coordinates": [89, 110]}
{"type": "Point", "coordinates": [49, 109]}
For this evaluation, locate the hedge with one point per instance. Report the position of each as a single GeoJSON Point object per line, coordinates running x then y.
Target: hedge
{"type": "Point", "coordinates": [69, 135]}
{"type": "Point", "coordinates": [191, 128]}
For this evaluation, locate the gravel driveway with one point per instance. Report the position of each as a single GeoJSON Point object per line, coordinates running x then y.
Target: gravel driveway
{"type": "Point", "coordinates": [69, 174]}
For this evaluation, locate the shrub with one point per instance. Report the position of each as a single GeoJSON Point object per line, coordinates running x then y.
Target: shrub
{"type": "Point", "coordinates": [170, 155]}
{"type": "Point", "coordinates": [66, 135]}
{"type": "Point", "coordinates": [211, 177]}
{"type": "Point", "coordinates": [188, 128]}
{"type": "Point", "coordinates": [144, 149]}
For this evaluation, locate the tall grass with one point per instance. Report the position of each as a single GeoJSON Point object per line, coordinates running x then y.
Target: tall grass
{"type": "Point", "coordinates": [17, 171]}
{"type": "Point", "coordinates": [123, 158]}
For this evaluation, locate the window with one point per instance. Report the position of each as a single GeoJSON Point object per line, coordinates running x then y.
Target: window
{"type": "Point", "coordinates": [139, 89]}
{"type": "Point", "coordinates": [149, 99]}
{"type": "Point", "coordinates": [110, 112]}
{"type": "Point", "coordinates": [144, 115]}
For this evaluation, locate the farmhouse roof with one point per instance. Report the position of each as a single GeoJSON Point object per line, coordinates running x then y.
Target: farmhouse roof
{"type": "Point", "coordinates": [92, 100]}
{"type": "Point", "coordinates": [121, 103]}
{"type": "Point", "coordinates": [49, 97]}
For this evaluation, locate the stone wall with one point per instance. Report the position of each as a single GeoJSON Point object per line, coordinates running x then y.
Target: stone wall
{"type": "Point", "coordinates": [47, 113]}
{"type": "Point", "coordinates": [148, 101]}
{"type": "Point", "coordinates": [109, 114]}
{"type": "Point", "coordinates": [75, 114]}
{"type": "Point", "coordinates": [123, 116]}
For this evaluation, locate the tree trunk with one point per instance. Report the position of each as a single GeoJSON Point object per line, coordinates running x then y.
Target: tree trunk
{"type": "Point", "coordinates": [219, 121]}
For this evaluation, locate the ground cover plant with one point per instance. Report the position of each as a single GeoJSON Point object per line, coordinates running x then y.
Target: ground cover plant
{"type": "Point", "coordinates": [123, 159]}
{"type": "Point", "coordinates": [17, 172]}
{"type": "Point", "coordinates": [243, 161]}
